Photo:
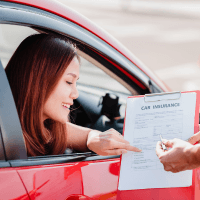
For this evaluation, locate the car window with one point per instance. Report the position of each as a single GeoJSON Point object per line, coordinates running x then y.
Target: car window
{"type": "Point", "coordinates": [95, 81]}
{"type": "Point", "coordinates": [93, 76]}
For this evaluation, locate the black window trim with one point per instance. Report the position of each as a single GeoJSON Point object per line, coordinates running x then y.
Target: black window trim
{"type": "Point", "coordinates": [59, 159]}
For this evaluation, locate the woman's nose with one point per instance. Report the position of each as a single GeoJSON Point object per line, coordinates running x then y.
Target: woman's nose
{"type": "Point", "coordinates": [74, 93]}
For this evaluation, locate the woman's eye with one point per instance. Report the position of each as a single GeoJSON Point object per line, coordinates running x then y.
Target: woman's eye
{"type": "Point", "coordinates": [69, 82]}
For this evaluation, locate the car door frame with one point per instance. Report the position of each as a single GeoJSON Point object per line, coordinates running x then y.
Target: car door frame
{"type": "Point", "coordinates": [17, 14]}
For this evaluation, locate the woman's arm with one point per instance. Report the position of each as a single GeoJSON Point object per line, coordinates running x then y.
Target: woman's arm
{"type": "Point", "coordinates": [77, 137]}
{"type": "Point", "coordinates": [109, 142]}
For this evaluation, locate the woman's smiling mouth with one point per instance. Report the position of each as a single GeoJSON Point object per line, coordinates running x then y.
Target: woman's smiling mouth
{"type": "Point", "coordinates": [66, 105]}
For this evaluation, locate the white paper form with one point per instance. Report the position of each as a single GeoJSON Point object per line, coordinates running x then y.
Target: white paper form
{"type": "Point", "coordinates": [145, 121]}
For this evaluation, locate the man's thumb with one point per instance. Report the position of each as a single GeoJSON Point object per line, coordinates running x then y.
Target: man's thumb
{"type": "Point", "coordinates": [168, 143]}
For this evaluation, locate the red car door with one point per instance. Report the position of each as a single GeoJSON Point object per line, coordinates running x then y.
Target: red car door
{"type": "Point", "coordinates": [11, 186]}
{"type": "Point", "coordinates": [74, 180]}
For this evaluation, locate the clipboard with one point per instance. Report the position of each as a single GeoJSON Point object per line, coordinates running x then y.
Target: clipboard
{"type": "Point", "coordinates": [191, 192]}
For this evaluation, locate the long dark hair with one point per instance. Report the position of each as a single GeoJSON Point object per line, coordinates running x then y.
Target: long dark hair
{"type": "Point", "coordinates": [33, 72]}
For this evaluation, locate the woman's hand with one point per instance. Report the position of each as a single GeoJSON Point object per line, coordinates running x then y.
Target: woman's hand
{"type": "Point", "coordinates": [109, 142]}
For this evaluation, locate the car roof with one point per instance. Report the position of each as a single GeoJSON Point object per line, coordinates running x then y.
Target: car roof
{"type": "Point", "coordinates": [62, 10]}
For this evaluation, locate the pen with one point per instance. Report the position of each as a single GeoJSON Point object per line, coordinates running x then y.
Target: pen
{"type": "Point", "coordinates": [163, 146]}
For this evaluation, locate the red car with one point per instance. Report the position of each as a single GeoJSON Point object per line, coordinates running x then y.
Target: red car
{"type": "Point", "coordinates": [107, 67]}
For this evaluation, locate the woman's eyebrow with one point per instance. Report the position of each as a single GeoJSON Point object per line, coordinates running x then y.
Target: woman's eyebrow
{"type": "Point", "coordinates": [74, 75]}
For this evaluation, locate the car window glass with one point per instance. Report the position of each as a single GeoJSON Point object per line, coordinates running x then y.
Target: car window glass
{"type": "Point", "coordinates": [10, 38]}
{"type": "Point", "coordinates": [95, 81]}
{"type": "Point", "coordinates": [93, 76]}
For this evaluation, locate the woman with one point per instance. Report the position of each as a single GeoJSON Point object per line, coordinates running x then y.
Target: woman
{"type": "Point", "coordinates": [42, 74]}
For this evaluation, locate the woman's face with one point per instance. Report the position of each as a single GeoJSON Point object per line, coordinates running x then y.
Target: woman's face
{"type": "Point", "coordinates": [57, 105]}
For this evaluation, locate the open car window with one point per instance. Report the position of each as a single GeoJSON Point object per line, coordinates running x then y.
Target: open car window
{"type": "Point", "coordinates": [98, 76]}
{"type": "Point", "coordinates": [97, 80]}
{"type": "Point", "coordinates": [93, 76]}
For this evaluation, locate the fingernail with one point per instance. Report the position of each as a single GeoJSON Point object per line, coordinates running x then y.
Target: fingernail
{"type": "Point", "coordinates": [123, 151]}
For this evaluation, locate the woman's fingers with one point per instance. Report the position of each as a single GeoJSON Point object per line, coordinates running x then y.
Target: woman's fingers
{"type": "Point", "coordinates": [132, 148]}
{"type": "Point", "coordinates": [120, 145]}
{"type": "Point", "coordinates": [115, 135]}
{"type": "Point", "coordinates": [121, 151]}
{"type": "Point", "coordinates": [117, 144]}
{"type": "Point", "coordinates": [115, 151]}
{"type": "Point", "coordinates": [109, 142]}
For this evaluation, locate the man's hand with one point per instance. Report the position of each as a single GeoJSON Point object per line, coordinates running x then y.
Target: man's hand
{"type": "Point", "coordinates": [109, 142]}
{"type": "Point", "coordinates": [181, 155]}
{"type": "Point", "coordinates": [195, 138]}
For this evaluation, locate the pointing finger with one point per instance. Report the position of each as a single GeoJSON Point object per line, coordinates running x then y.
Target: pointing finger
{"type": "Point", "coordinates": [132, 148]}
{"type": "Point", "coordinates": [121, 145]}
{"type": "Point", "coordinates": [115, 151]}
